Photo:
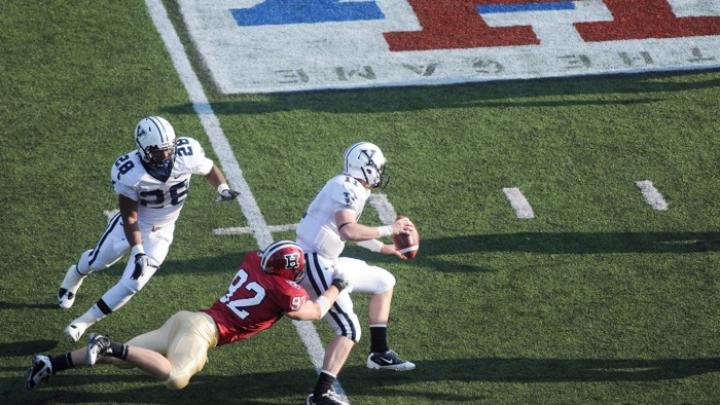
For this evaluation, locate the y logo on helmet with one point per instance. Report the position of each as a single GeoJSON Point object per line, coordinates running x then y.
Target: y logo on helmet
{"type": "Point", "coordinates": [369, 153]}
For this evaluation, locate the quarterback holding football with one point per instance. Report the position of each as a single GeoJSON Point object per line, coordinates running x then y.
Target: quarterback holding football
{"type": "Point", "coordinates": [330, 221]}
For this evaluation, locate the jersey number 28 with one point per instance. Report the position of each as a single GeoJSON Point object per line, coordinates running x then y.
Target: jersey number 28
{"type": "Point", "coordinates": [237, 305]}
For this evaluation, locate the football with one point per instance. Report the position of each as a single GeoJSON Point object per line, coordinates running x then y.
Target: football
{"type": "Point", "coordinates": [407, 244]}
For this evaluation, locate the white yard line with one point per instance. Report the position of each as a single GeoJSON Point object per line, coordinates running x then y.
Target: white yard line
{"type": "Point", "coordinates": [244, 230]}
{"type": "Point", "coordinates": [519, 203]}
{"type": "Point", "coordinates": [385, 210]}
{"type": "Point", "coordinates": [227, 159]}
{"type": "Point", "coordinates": [652, 195]}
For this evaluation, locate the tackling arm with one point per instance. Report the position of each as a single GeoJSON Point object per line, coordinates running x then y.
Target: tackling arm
{"type": "Point", "coordinates": [312, 310]}
{"type": "Point", "coordinates": [316, 310]}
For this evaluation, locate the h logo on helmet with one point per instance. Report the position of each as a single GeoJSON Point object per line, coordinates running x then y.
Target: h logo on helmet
{"type": "Point", "coordinates": [292, 261]}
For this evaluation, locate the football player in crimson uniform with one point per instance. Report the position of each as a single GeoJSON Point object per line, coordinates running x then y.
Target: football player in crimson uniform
{"type": "Point", "coordinates": [261, 292]}
{"type": "Point", "coordinates": [328, 223]}
{"type": "Point", "coordinates": [151, 183]}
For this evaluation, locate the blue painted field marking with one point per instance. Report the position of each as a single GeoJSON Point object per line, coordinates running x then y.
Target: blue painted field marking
{"type": "Point", "coordinates": [511, 8]}
{"type": "Point", "coordinates": [282, 12]}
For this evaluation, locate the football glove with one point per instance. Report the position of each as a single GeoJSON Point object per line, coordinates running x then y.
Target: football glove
{"type": "Point", "coordinates": [339, 280]}
{"type": "Point", "coordinates": [141, 264]}
{"type": "Point", "coordinates": [227, 194]}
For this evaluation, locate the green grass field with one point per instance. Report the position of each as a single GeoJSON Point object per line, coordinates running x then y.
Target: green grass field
{"type": "Point", "coordinates": [599, 299]}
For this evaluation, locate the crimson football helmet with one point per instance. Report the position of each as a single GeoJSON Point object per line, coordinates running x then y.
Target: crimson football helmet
{"type": "Point", "coordinates": [284, 258]}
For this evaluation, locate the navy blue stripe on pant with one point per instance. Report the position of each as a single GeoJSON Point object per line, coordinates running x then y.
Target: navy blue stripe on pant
{"type": "Point", "coordinates": [319, 284]}
{"type": "Point", "coordinates": [113, 222]}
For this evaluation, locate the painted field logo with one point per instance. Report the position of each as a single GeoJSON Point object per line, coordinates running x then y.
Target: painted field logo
{"type": "Point", "coordinates": [256, 46]}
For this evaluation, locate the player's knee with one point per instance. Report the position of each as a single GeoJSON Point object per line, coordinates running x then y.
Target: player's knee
{"type": "Point", "coordinates": [386, 282]}
{"type": "Point", "coordinates": [352, 335]}
{"type": "Point", "coordinates": [133, 286]}
{"type": "Point", "coordinates": [83, 264]}
{"type": "Point", "coordinates": [349, 328]}
{"type": "Point", "coordinates": [356, 335]}
{"type": "Point", "coordinates": [177, 382]}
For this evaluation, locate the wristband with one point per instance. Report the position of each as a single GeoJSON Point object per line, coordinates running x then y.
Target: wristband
{"type": "Point", "coordinates": [324, 305]}
{"type": "Point", "coordinates": [372, 245]}
{"type": "Point", "coordinates": [137, 250]}
{"type": "Point", "coordinates": [222, 187]}
{"type": "Point", "coordinates": [385, 230]}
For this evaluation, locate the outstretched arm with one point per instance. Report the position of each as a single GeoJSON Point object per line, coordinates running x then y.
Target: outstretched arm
{"type": "Point", "coordinates": [216, 178]}
{"type": "Point", "coordinates": [316, 310]}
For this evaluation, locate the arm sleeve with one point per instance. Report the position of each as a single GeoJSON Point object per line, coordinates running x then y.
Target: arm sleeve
{"type": "Point", "coordinates": [200, 163]}
{"type": "Point", "coordinates": [345, 197]}
{"type": "Point", "coordinates": [121, 186]}
{"type": "Point", "coordinates": [293, 297]}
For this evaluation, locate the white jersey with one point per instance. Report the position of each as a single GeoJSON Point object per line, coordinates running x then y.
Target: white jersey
{"type": "Point", "coordinates": [160, 200]}
{"type": "Point", "coordinates": [317, 231]}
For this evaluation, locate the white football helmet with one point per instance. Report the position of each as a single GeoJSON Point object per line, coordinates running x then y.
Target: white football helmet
{"type": "Point", "coordinates": [153, 134]}
{"type": "Point", "coordinates": [365, 161]}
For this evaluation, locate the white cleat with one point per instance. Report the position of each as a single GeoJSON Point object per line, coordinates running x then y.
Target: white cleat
{"type": "Point", "coordinates": [97, 346]}
{"type": "Point", "coordinates": [75, 330]}
{"type": "Point", "coordinates": [69, 287]}
{"type": "Point", "coordinates": [66, 299]}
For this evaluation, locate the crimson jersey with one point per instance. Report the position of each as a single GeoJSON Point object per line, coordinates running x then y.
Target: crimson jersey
{"type": "Point", "coordinates": [254, 302]}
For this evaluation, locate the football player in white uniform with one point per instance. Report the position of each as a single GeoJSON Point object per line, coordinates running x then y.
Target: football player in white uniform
{"type": "Point", "coordinates": [152, 184]}
{"type": "Point", "coordinates": [328, 223]}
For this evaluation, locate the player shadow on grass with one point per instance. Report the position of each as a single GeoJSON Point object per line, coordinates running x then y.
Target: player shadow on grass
{"type": "Point", "coordinates": [576, 243]}
{"type": "Point", "coordinates": [515, 93]}
{"type": "Point", "coordinates": [26, 348]}
{"type": "Point", "coordinates": [432, 250]}
{"type": "Point", "coordinates": [18, 305]}
{"type": "Point", "coordinates": [526, 242]}
{"type": "Point", "coordinates": [252, 388]}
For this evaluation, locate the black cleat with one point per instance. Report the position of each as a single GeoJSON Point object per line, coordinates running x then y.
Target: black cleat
{"type": "Point", "coordinates": [327, 398]}
{"type": "Point", "coordinates": [388, 360]}
{"type": "Point", "coordinates": [39, 372]}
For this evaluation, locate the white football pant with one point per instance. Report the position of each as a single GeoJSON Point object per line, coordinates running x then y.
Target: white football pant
{"type": "Point", "coordinates": [361, 277]}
